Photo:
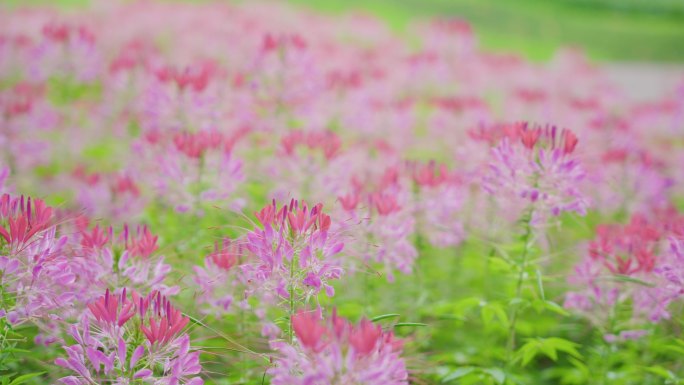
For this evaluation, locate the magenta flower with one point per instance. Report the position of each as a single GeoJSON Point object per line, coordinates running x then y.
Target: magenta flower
{"type": "Point", "coordinates": [535, 166]}
{"type": "Point", "coordinates": [336, 352]}
{"type": "Point", "coordinates": [116, 196]}
{"type": "Point", "coordinates": [380, 225]}
{"type": "Point", "coordinates": [627, 267]}
{"type": "Point", "coordinates": [125, 259]}
{"type": "Point", "coordinates": [107, 311]}
{"type": "Point", "coordinates": [438, 204]}
{"type": "Point", "coordinates": [190, 169]}
{"type": "Point", "coordinates": [36, 270]}
{"type": "Point", "coordinates": [108, 348]}
{"type": "Point", "coordinates": [217, 281]}
{"type": "Point", "coordinates": [295, 253]}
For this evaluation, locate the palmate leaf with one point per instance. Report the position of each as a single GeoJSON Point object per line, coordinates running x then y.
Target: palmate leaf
{"type": "Point", "coordinates": [548, 347]}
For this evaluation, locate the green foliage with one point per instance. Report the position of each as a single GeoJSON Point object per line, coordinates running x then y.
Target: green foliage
{"type": "Point", "coordinates": [546, 346]}
{"type": "Point", "coordinates": [65, 91]}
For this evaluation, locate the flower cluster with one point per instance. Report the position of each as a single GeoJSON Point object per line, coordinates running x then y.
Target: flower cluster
{"type": "Point", "coordinates": [294, 252]}
{"type": "Point", "coordinates": [37, 276]}
{"type": "Point", "coordinates": [337, 352]}
{"type": "Point", "coordinates": [127, 259]}
{"type": "Point", "coordinates": [116, 196]}
{"type": "Point", "coordinates": [439, 204]}
{"type": "Point", "coordinates": [217, 281]}
{"type": "Point", "coordinates": [190, 168]}
{"type": "Point", "coordinates": [534, 165]}
{"type": "Point", "coordinates": [380, 218]}
{"type": "Point", "coordinates": [126, 339]}
{"type": "Point", "coordinates": [628, 265]}
{"type": "Point", "coordinates": [186, 116]}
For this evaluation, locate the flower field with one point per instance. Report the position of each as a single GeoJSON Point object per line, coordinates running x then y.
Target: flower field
{"type": "Point", "coordinates": [252, 193]}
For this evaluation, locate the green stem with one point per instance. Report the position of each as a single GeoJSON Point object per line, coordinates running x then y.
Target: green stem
{"type": "Point", "coordinates": [292, 302]}
{"type": "Point", "coordinates": [510, 346]}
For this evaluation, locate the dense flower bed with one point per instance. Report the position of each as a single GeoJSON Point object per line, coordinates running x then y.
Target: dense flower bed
{"type": "Point", "coordinates": [231, 194]}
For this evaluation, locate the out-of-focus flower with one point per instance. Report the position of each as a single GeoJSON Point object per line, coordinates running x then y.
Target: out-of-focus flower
{"type": "Point", "coordinates": [115, 196]}
{"type": "Point", "coordinates": [125, 259]}
{"type": "Point", "coordinates": [626, 265]}
{"type": "Point", "coordinates": [534, 165]}
{"type": "Point", "coordinates": [380, 221]}
{"type": "Point", "coordinates": [190, 169]}
{"type": "Point", "coordinates": [631, 180]}
{"type": "Point", "coordinates": [438, 206]}
{"type": "Point", "coordinates": [217, 282]}
{"type": "Point", "coordinates": [336, 352]}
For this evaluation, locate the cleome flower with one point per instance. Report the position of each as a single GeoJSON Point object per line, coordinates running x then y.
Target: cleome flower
{"type": "Point", "coordinates": [216, 281]}
{"type": "Point", "coordinates": [130, 339]}
{"type": "Point", "coordinates": [125, 259]}
{"type": "Point", "coordinates": [336, 352]}
{"type": "Point", "coordinates": [36, 274]}
{"type": "Point", "coordinates": [535, 165]}
{"type": "Point", "coordinates": [629, 267]}
{"type": "Point", "coordinates": [294, 252]}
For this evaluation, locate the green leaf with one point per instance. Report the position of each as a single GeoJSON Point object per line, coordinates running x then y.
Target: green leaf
{"type": "Point", "coordinates": [465, 305]}
{"type": "Point", "coordinates": [549, 350]}
{"type": "Point", "coordinates": [409, 324]}
{"type": "Point", "coordinates": [25, 377]}
{"type": "Point", "coordinates": [494, 310]}
{"type": "Point", "coordinates": [547, 346]}
{"type": "Point", "coordinates": [458, 373]}
{"type": "Point", "coordinates": [384, 316]}
{"type": "Point", "coordinates": [556, 308]}
{"type": "Point", "coordinates": [662, 372]}
{"type": "Point", "coordinates": [626, 278]}
{"type": "Point", "coordinates": [531, 350]}
{"type": "Point", "coordinates": [497, 374]}
{"type": "Point", "coordinates": [540, 284]}
{"type": "Point", "coordinates": [676, 349]}
{"type": "Point", "coordinates": [564, 345]}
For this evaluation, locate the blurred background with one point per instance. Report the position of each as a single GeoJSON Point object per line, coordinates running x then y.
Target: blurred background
{"type": "Point", "coordinates": [642, 41]}
{"type": "Point", "coordinates": [641, 30]}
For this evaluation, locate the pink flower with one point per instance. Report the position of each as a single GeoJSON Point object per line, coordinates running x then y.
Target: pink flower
{"type": "Point", "coordinates": [125, 259]}
{"type": "Point", "coordinates": [294, 252]}
{"type": "Point", "coordinates": [534, 166]}
{"type": "Point", "coordinates": [217, 281]}
{"type": "Point", "coordinates": [24, 219]}
{"type": "Point", "coordinates": [364, 337]}
{"type": "Point", "coordinates": [165, 322]}
{"type": "Point", "coordinates": [111, 330]}
{"type": "Point", "coordinates": [336, 352]}
{"type": "Point", "coordinates": [309, 330]}
{"type": "Point", "coordinates": [107, 310]}
{"type": "Point", "coordinates": [618, 254]}
{"type": "Point", "coordinates": [37, 273]}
